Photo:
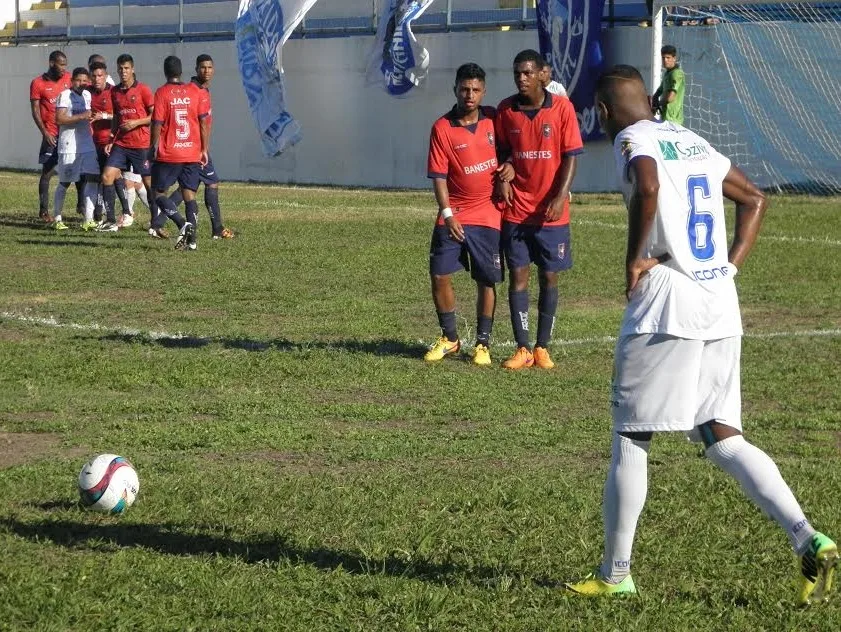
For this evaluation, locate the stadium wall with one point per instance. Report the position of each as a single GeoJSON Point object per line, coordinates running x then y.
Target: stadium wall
{"type": "Point", "coordinates": [354, 135]}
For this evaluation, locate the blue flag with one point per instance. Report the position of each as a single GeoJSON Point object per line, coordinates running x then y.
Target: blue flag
{"type": "Point", "coordinates": [262, 27]}
{"type": "Point", "coordinates": [570, 40]}
{"type": "Point", "coordinates": [398, 62]}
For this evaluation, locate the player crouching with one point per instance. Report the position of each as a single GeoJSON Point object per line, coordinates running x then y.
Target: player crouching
{"type": "Point", "coordinates": [462, 163]}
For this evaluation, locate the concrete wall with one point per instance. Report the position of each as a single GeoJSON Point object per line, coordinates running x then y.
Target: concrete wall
{"type": "Point", "coordinates": [353, 134]}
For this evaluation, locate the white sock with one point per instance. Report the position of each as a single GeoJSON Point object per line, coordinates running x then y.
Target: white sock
{"type": "Point", "coordinates": [91, 193]}
{"type": "Point", "coordinates": [131, 196]}
{"type": "Point", "coordinates": [141, 193]}
{"type": "Point", "coordinates": [58, 200]}
{"type": "Point", "coordinates": [624, 496]}
{"type": "Point", "coordinates": [762, 483]}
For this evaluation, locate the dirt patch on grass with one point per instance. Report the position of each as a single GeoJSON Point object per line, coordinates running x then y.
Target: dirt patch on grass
{"type": "Point", "coordinates": [18, 448]}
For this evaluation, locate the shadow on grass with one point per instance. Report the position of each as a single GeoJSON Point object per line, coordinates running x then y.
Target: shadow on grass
{"type": "Point", "coordinates": [381, 347]}
{"type": "Point", "coordinates": [66, 241]}
{"type": "Point", "coordinates": [172, 540]}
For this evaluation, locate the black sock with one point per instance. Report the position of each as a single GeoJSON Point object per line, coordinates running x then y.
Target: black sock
{"type": "Point", "coordinates": [167, 210]}
{"type": "Point", "coordinates": [518, 303]}
{"type": "Point", "coordinates": [80, 197]}
{"type": "Point", "coordinates": [447, 321]}
{"type": "Point", "coordinates": [484, 326]}
{"type": "Point", "coordinates": [109, 195]}
{"type": "Point", "coordinates": [43, 195]}
{"type": "Point", "coordinates": [120, 189]}
{"type": "Point", "coordinates": [192, 208]}
{"type": "Point", "coordinates": [211, 201]}
{"type": "Point", "coordinates": [176, 197]}
{"type": "Point", "coordinates": [547, 305]}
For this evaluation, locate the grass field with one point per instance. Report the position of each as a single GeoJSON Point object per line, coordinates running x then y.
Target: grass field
{"type": "Point", "coordinates": [301, 468]}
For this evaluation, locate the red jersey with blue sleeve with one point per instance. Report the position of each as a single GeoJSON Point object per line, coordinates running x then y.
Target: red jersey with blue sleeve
{"type": "Point", "coordinates": [101, 102]}
{"type": "Point", "coordinates": [537, 141]}
{"type": "Point", "coordinates": [466, 157]}
{"type": "Point", "coordinates": [46, 92]}
{"type": "Point", "coordinates": [131, 104]}
{"type": "Point", "coordinates": [179, 107]}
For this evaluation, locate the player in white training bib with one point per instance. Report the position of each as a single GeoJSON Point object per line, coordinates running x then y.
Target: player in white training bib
{"type": "Point", "coordinates": [677, 359]}
{"type": "Point", "coordinates": [76, 150]}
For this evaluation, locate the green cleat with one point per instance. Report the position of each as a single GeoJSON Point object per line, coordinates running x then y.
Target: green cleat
{"type": "Point", "coordinates": [60, 226]}
{"type": "Point", "coordinates": [817, 566]}
{"type": "Point", "coordinates": [594, 586]}
{"type": "Point", "coordinates": [89, 226]}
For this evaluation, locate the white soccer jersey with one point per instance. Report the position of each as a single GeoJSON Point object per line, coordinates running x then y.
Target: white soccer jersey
{"type": "Point", "coordinates": [693, 294]}
{"type": "Point", "coordinates": [76, 138]}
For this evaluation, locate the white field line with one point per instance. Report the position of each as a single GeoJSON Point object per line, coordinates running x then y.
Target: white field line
{"type": "Point", "coordinates": [49, 321]}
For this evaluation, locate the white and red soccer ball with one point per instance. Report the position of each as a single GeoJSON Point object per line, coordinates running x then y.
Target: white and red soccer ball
{"type": "Point", "coordinates": [108, 483]}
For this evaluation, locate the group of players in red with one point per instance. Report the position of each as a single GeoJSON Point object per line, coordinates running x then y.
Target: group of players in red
{"type": "Point", "coordinates": [160, 139]}
{"type": "Point", "coordinates": [502, 181]}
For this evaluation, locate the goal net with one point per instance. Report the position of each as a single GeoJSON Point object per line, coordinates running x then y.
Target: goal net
{"type": "Point", "coordinates": [760, 86]}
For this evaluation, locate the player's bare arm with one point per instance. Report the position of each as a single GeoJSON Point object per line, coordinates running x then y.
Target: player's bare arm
{"type": "Point", "coordinates": [36, 116]}
{"type": "Point", "coordinates": [127, 126]}
{"type": "Point", "coordinates": [751, 204]}
{"type": "Point", "coordinates": [642, 208]}
{"type": "Point", "coordinates": [154, 137]}
{"type": "Point", "coordinates": [442, 196]}
{"type": "Point", "coordinates": [563, 183]}
{"type": "Point", "coordinates": [204, 134]}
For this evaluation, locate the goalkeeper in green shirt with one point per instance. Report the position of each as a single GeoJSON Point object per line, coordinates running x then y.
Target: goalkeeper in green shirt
{"type": "Point", "coordinates": [668, 100]}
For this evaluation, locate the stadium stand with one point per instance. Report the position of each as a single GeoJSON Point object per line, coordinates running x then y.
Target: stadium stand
{"type": "Point", "coordinates": [171, 20]}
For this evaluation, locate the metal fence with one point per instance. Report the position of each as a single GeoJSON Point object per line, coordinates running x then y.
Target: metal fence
{"type": "Point", "coordinates": [178, 20]}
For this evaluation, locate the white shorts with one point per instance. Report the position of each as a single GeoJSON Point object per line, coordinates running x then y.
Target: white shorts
{"type": "Point", "coordinates": [662, 383]}
{"type": "Point", "coordinates": [130, 176]}
{"type": "Point", "coordinates": [71, 167]}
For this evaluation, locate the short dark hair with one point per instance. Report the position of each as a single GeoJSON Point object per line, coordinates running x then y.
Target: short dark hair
{"type": "Point", "coordinates": [56, 55]}
{"type": "Point", "coordinates": [470, 71]}
{"type": "Point", "coordinates": [98, 65]}
{"type": "Point", "coordinates": [81, 70]}
{"type": "Point", "coordinates": [203, 58]}
{"type": "Point", "coordinates": [609, 78]}
{"type": "Point", "coordinates": [95, 58]}
{"type": "Point", "coordinates": [668, 49]}
{"type": "Point", "coordinates": [172, 67]}
{"type": "Point", "coordinates": [530, 55]}
{"type": "Point", "coordinates": [125, 58]}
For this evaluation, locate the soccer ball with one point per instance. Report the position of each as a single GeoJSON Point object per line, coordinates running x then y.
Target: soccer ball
{"type": "Point", "coordinates": [108, 483]}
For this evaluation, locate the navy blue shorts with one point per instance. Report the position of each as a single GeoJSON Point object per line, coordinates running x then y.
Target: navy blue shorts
{"type": "Point", "coordinates": [208, 174]}
{"type": "Point", "coordinates": [165, 174]}
{"type": "Point", "coordinates": [47, 156]}
{"type": "Point", "coordinates": [126, 159]}
{"type": "Point", "coordinates": [101, 156]}
{"type": "Point", "coordinates": [548, 247]}
{"type": "Point", "coordinates": [479, 253]}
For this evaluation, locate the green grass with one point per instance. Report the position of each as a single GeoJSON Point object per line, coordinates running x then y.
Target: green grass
{"type": "Point", "coordinates": [302, 469]}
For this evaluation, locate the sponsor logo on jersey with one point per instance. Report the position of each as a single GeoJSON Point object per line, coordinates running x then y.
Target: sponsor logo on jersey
{"type": "Point", "coordinates": [180, 101]}
{"type": "Point", "coordinates": [490, 139]}
{"type": "Point", "coordinates": [711, 274]}
{"type": "Point", "coordinates": [668, 150]}
{"type": "Point", "coordinates": [683, 151]}
{"type": "Point", "coordinates": [534, 154]}
{"type": "Point", "coordinates": [547, 130]}
{"type": "Point", "coordinates": [125, 111]}
{"type": "Point", "coordinates": [479, 167]}
{"type": "Point", "coordinates": [626, 148]}
{"type": "Point", "coordinates": [462, 146]}
{"type": "Point", "coordinates": [184, 145]}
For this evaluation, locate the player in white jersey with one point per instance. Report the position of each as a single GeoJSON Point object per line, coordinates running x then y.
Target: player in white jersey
{"type": "Point", "coordinates": [76, 150]}
{"type": "Point", "coordinates": [677, 365]}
